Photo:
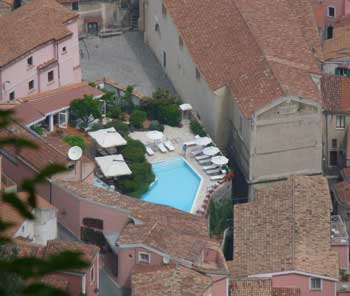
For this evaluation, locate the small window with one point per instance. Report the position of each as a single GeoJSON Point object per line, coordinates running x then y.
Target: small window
{"type": "Point", "coordinates": [50, 76]}
{"type": "Point", "coordinates": [64, 49]}
{"type": "Point", "coordinates": [164, 12]}
{"type": "Point", "coordinates": [331, 11]}
{"type": "Point", "coordinates": [340, 121]}
{"type": "Point", "coordinates": [92, 275]}
{"type": "Point", "coordinates": [315, 284]}
{"type": "Point", "coordinates": [157, 28]}
{"type": "Point", "coordinates": [164, 59]}
{"type": "Point", "coordinates": [198, 74]}
{"type": "Point", "coordinates": [329, 32]}
{"type": "Point", "coordinates": [181, 42]}
{"type": "Point", "coordinates": [144, 258]}
{"type": "Point", "coordinates": [31, 85]}
{"type": "Point", "coordinates": [334, 143]}
{"type": "Point", "coordinates": [30, 61]}
{"type": "Point", "coordinates": [12, 95]}
{"type": "Point", "coordinates": [348, 215]}
{"type": "Point", "coordinates": [75, 5]}
{"type": "Point", "coordinates": [342, 71]}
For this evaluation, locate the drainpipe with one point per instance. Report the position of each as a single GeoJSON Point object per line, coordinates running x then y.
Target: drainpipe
{"type": "Point", "coordinates": [58, 66]}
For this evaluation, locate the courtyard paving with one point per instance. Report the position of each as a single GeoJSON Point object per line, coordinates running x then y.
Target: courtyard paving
{"type": "Point", "coordinates": [178, 136]}
{"type": "Point", "coordinates": [124, 59]}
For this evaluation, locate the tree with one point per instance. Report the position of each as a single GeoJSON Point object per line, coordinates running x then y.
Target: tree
{"type": "Point", "coordinates": [21, 275]}
{"type": "Point", "coordinates": [126, 102]}
{"type": "Point", "coordinates": [137, 118]}
{"type": "Point", "coordinates": [85, 110]}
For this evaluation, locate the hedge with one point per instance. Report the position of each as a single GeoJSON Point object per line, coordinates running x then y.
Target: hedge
{"type": "Point", "coordinates": [72, 140]}
{"type": "Point", "coordinates": [197, 129]}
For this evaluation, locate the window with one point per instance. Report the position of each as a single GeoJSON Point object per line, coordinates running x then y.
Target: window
{"type": "Point", "coordinates": [342, 71]}
{"type": "Point", "coordinates": [50, 76]}
{"type": "Point", "coordinates": [92, 222]}
{"type": "Point", "coordinates": [315, 284]}
{"type": "Point", "coordinates": [164, 12]}
{"type": "Point", "coordinates": [164, 59]}
{"type": "Point", "coordinates": [30, 61]}
{"type": "Point", "coordinates": [329, 32]}
{"type": "Point", "coordinates": [12, 95]}
{"type": "Point", "coordinates": [334, 143]}
{"type": "Point", "coordinates": [331, 11]}
{"type": "Point", "coordinates": [92, 275]}
{"type": "Point", "coordinates": [75, 5]}
{"type": "Point", "coordinates": [181, 42]}
{"type": "Point", "coordinates": [144, 258]}
{"type": "Point", "coordinates": [198, 74]}
{"type": "Point", "coordinates": [340, 121]}
{"type": "Point", "coordinates": [31, 84]}
{"type": "Point", "coordinates": [157, 28]}
{"type": "Point", "coordinates": [64, 49]}
{"type": "Point", "coordinates": [333, 158]}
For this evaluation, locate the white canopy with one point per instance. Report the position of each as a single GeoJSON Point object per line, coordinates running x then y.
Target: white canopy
{"type": "Point", "coordinates": [219, 160]}
{"type": "Point", "coordinates": [211, 150]}
{"type": "Point", "coordinates": [185, 107]}
{"type": "Point", "coordinates": [154, 135]}
{"type": "Point", "coordinates": [203, 141]}
{"type": "Point", "coordinates": [108, 137]}
{"type": "Point", "coordinates": [113, 165]}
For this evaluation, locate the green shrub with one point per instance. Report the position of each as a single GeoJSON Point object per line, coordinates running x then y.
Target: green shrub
{"type": "Point", "coordinates": [155, 125]}
{"type": "Point", "coordinates": [137, 118]}
{"type": "Point", "coordinates": [85, 110]}
{"type": "Point", "coordinates": [38, 129]}
{"type": "Point", "coordinates": [134, 150]}
{"type": "Point", "coordinates": [165, 97]}
{"type": "Point", "coordinates": [197, 129]}
{"type": "Point", "coordinates": [170, 115]}
{"type": "Point", "coordinates": [96, 126]}
{"type": "Point", "coordinates": [126, 102]}
{"type": "Point", "coordinates": [72, 140]}
{"type": "Point", "coordinates": [220, 216]}
{"type": "Point", "coordinates": [114, 112]}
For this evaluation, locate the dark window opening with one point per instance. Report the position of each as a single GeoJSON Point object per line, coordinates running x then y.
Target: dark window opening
{"type": "Point", "coordinates": [75, 6]}
{"type": "Point", "coordinates": [333, 158]}
{"type": "Point", "coordinates": [164, 59]}
{"type": "Point", "coordinates": [12, 95]}
{"type": "Point", "coordinates": [93, 223]}
{"type": "Point", "coordinates": [181, 42]}
{"type": "Point", "coordinates": [31, 84]}
{"type": "Point", "coordinates": [30, 61]}
{"type": "Point", "coordinates": [331, 11]}
{"type": "Point", "coordinates": [330, 32]}
{"type": "Point", "coordinates": [334, 143]}
{"type": "Point", "coordinates": [198, 74]}
{"type": "Point", "coordinates": [50, 76]}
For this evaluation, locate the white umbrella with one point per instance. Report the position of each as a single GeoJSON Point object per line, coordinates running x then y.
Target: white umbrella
{"type": "Point", "coordinates": [185, 107]}
{"type": "Point", "coordinates": [113, 165]}
{"type": "Point", "coordinates": [107, 138]}
{"type": "Point", "coordinates": [211, 150]}
{"type": "Point", "coordinates": [154, 135]}
{"type": "Point", "coordinates": [203, 141]}
{"type": "Point", "coordinates": [219, 160]}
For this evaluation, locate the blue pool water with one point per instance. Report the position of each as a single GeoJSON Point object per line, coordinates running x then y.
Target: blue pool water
{"type": "Point", "coordinates": [176, 184]}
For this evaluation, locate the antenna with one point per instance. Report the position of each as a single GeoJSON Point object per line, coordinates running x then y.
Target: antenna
{"type": "Point", "coordinates": [75, 153]}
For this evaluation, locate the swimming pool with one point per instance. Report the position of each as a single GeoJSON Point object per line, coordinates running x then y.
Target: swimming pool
{"type": "Point", "coordinates": [176, 184]}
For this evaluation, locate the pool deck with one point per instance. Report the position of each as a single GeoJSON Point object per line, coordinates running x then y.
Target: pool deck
{"type": "Point", "coordinates": [178, 136]}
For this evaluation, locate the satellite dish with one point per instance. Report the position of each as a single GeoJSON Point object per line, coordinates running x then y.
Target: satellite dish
{"type": "Point", "coordinates": [75, 153]}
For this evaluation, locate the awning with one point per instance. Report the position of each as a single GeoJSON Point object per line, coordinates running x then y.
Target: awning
{"type": "Point", "coordinates": [113, 165]}
{"type": "Point", "coordinates": [107, 138]}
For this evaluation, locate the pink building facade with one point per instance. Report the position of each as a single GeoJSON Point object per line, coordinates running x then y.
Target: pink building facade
{"type": "Point", "coordinates": [50, 64]}
{"type": "Point", "coordinates": [303, 282]}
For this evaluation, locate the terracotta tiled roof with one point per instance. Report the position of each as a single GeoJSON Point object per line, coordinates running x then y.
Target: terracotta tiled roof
{"type": "Point", "coordinates": [285, 228]}
{"type": "Point", "coordinates": [259, 286]}
{"type": "Point", "coordinates": [168, 280]}
{"type": "Point", "coordinates": [342, 190]}
{"type": "Point", "coordinates": [171, 231]}
{"type": "Point", "coordinates": [39, 158]}
{"type": "Point", "coordinates": [55, 281]}
{"type": "Point", "coordinates": [37, 107]}
{"type": "Point", "coordinates": [336, 93]}
{"type": "Point", "coordinates": [9, 214]}
{"type": "Point", "coordinates": [30, 26]}
{"type": "Point", "coordinates": [249, 47]}
{"type": "Point", "coordinates": [89, 252]}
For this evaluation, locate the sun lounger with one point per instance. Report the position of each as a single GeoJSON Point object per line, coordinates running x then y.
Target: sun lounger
{"type": "Point", "coordinates": [196, 152]}
{"type": "Point", "coordinates": [201, 157]}
{"type": "Point", "coordinates": [210, 167]}
{"type": "Point", "coordinates": [214, 171]}
{"type": "Point", "coordinates": [190, 143]}
{"type": "Point", "coordinates": [217, 177]}
{"type": "Point", "coordinates": [162, 148]}
{"type": "Point", "coordinates": [206, 161]}
{"type": "Point", "coordinates": [149, 151]}
{"type": "Point", "coordinates": [169, 146]}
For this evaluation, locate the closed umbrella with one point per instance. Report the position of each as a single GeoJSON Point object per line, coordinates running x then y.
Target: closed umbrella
{"type": "Point", "coordinates": [203, 141]}
{"type": "Point", "coordinates": [219, 160]}
{"type": "Point", "coordinates": [211, 151]}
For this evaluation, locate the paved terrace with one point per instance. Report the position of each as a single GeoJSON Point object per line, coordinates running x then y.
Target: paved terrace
{"type": "Point", "coordinates": [178, 136]}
